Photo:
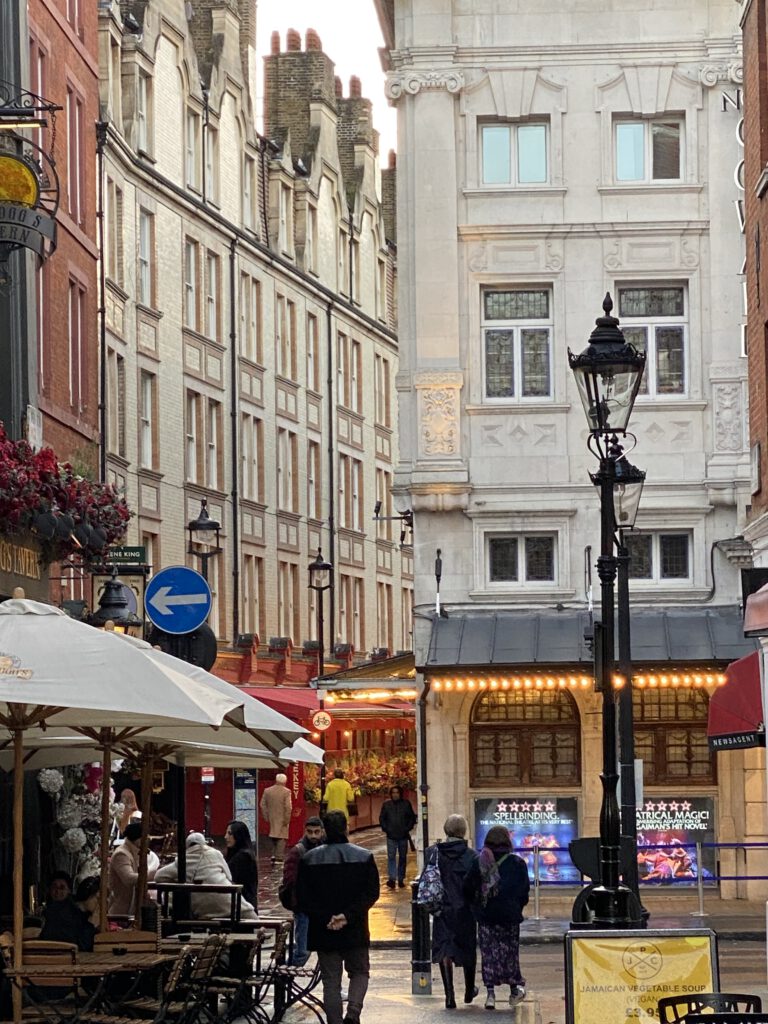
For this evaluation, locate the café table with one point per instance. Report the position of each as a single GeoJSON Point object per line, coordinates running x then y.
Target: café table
{"type": "Point", "coordinates": [100, 965]}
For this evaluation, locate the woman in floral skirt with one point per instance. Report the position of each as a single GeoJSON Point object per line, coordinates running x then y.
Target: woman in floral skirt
{"type": "Point", "coordinates": [497, 885]}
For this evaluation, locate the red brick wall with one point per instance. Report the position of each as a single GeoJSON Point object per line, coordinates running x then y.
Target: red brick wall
{"type": "Point", "coordinates": [70, 60]}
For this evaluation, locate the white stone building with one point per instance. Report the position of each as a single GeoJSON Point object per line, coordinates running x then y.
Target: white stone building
{"type": "Point", "coordinates": [249, 336]}
{"type": "Point", "coordinates": [549, 153]}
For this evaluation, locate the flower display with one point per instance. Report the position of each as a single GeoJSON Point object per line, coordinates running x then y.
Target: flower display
{"type": "Point", "coordinates": [367, 773]}
{"type": "Point", "coordinates": [50, 780]}
{"type": "Point", "coordinates": [37, 492]}
{"type": "Point", "coordinates": [73, 840]}
{"type": "Point", "coordinates": [69, 814]}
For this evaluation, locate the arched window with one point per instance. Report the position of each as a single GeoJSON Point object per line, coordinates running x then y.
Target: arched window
{"type": "Point", "coordinates": [525, 738]}
{"type": "Point", "coordinates": [671, 736]}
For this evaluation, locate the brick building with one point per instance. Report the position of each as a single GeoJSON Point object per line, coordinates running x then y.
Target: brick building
{"type": "Point", "coordinates": [66, 291]}
{"type": "Point", "coordinates": [250, 346]}
{"type": "Point", "coordinates": [755, 203]}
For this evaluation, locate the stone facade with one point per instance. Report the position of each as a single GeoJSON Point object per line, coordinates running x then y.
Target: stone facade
{"type": "Point", "coordinates": [519, 206]}
{"type": "Point", "coordinates": [251, 352]}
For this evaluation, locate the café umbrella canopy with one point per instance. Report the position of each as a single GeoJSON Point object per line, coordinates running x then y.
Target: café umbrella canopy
{"type": "Point", "coordinates": [56, 670]}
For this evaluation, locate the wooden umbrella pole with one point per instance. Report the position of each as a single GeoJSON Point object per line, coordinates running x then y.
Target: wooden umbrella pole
{"type": "Point", "coordinates": [18, 861]}
{"type": "Point", "coordinates": [106, 771]}
{"type": "Point", "coordinates": [146, 811]}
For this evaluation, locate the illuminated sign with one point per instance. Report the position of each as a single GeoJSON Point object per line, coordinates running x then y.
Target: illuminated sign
{"type": "Point", "coordinates": [548, 823]}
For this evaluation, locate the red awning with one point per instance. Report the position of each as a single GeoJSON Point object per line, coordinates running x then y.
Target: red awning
{"type": "Point", "coordinates": [736, 709]}
{"type": "Point", "coordinates": [295, 702]}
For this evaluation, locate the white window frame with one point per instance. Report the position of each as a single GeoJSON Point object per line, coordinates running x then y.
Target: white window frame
{"type": "Point", "coordinates": [143, 112]}
{"type": "Point", "coordinates": [652, 324]}
{"type": "Point", "coordinates": [192, 149]}
{"type": "Point", "coordinates": [192, 426]}
{"type": "Point", "coordinates": [212, 284]}
{"type": "Point", "coordinates": [520, 538]}
{"type": "Point", "coordinates": [517, 326]}
{"type": "Point", "coordinates": [146, 420]}
{"type": "Point", "coordinates": [656, 579]}
{"type": "Point", "coordinates": [146, 244]}
{"type": "Point", "coordinates": [313, 353]}
{"type": "Point", "coordinates": [648, 123]}
{"type": "Point", "coordinates": [76, 345]}
{"type": "Point", "coordinates": [249, 188]}
{"type": "Point", "coordinates": [212, 443]}
{"type": "Point", "coordinates": [314, 480]}
{"type": "Point", "coordinates": [191, 274]}
{"type": "Point", "coordinates": [514, 128]}
{"type": "Point", "coordinates": [211, 163]}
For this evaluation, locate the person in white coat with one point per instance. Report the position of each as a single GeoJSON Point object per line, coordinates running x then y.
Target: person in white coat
{"type": "Point", "coordinates": [206, 866]}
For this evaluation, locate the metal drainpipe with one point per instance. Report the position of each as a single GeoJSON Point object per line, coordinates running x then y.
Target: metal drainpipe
{"type": "Point", "coordinates": [264, 210]}
{"type": "Point", "coordinates": [424, 787]}
{"type": "Point", "coordinates": [101, 142]}
{"type": "Point", "coordinates": [233, 342]}
{"type": "Point", "coordinates": [331, 474]}
{"type": "Point", "coordinates": [351, 257]}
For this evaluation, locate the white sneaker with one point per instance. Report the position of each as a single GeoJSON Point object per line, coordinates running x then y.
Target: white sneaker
{"type": "Point", "coordinates": [490, 1001]}
{"type": "Point", "coordinates": [516, 994]}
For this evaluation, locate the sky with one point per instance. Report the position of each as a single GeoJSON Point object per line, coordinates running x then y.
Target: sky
{"type": "Point", "coordinates": [351, 36]}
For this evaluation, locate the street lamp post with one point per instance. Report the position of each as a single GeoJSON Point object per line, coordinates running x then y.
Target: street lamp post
{"type": "Point", "coordinates": [114, 608]}
{"type": "Point", "coordinates": [320, 580]}
{"type": "Point", "coordinates": [204, 530]}
{"type": "Point", "coordinates": [608, 375]}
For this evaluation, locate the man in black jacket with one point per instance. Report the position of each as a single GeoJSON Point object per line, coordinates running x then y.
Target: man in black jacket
{"type": "Point", "coordinates": [336, 886]}
{"type": "Point", "coordinates": [397, 818]}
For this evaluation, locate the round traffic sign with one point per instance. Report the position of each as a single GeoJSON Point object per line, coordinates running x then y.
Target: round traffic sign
{"type": "Point", "coordinates": [177, 599]}
{"type": "Point", "coordinates": [321, 720]}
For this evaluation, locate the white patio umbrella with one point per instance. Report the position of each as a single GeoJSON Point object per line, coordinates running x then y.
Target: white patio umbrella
{"type": "Point", "coordinates": [55, 669]}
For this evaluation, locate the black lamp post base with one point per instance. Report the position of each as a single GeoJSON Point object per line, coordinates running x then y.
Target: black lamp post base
{"type": "Point", "coordinates": [599, 907]}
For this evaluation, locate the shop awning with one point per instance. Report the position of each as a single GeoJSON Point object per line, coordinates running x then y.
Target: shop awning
{"type": "Point", "coordinates": [295, 702]}
{"type": "Point", "coordinates": [736, 709]}
{"type": "Point", "coordinates": [476, 639]}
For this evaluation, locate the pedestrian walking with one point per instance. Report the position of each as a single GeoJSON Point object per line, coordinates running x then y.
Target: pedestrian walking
{"type": "Point", "coordinates": [241, 860]}
{"type": "Point", "coordinates": [497, 886]}
{"type": "Point", "coordinates": [396, 819]}
{"type": "Point", "coordinates": [338, 794]}
{"type": "Point", "coordinates": [336, 885]}
{"type": "Point", "coordinates": [276, 808]}
{"type": "Point", "coordinates": [313, 836]}
{"type": "Point", "coordinates": [454, 931]}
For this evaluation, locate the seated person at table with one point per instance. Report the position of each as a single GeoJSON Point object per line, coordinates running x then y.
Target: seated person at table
{"type": "Point", "coordinates": [206, 866]}
{"type": "Point", "coordinates": [72, 920]}
{"type": "Point", "coordinates": [242, 860]}
{"type": "Point", "coordinates": [59, 887]}
{"type": "Point", "coordinates": [124, 871]}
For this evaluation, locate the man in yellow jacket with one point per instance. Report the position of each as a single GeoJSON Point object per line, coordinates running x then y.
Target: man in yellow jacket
{"type": "Point", "coordinates": [338, 794]}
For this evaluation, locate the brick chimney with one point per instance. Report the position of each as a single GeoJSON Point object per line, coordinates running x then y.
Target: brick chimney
{"type": "Point", "coordinates": [389, 197]}
{"type": "Point", "coordinates": [354, 126]}
{"type": "Point", "coordinates": [293, 79]}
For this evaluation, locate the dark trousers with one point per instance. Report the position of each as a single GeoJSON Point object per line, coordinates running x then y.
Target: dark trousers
{"type": "Point", "coordinates": [332, 964]}
{"type": "Point", "coordinates": [397, 852]}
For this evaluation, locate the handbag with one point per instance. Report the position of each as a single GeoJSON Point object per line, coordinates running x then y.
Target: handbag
{"type": "Point", "coordinates": [431, 891]}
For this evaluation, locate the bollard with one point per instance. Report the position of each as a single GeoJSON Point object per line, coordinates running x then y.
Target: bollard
{"type": "Point", "coordinates": [536, 889]}
{"type": "Point", "coordinates": [421, 958]}
{"type": "Point", "coordinates": [699, 885]}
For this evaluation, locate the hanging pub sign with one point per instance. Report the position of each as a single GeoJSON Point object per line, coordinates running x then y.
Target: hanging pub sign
{"type": "Point", "coordinates": [23, 221]}
{"type": "Point", "coordinates": [546, 822]}
{"type": "Point", "coordinates": [668, 828]}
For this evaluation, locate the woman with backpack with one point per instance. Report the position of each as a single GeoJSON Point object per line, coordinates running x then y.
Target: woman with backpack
{"type": "Point", "coordinates": [498, 886]}
{"type": "Point", "coordinates": [454, 933]}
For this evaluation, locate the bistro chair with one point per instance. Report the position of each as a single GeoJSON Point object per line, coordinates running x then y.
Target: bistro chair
{"type": "Point", "coordinates": [172, 1008]}
{"type": "Point", "coordinates": [267, 1002]}
{"type": "Point", "coordinates": [54, 998]}
{"type": "Point", "coordinates": [676, 1009]}
{"type": "Point", "coordinates": [236, 989]}
{"type": "Point", "coordinates": [737, 1017]}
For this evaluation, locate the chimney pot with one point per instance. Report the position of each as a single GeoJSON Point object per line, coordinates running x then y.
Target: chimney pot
{"type": "Point", "coordinates": [338, 87]}
{"type": "Point", "coordinates": [392, 161]}
{"type": "Point", "coordinates": [355, 89]}
{"type": "Point", "coordinates": [293, 40]}
{"type": "Point", "coordinates": [275, 43]}
{"type": "Point", "coordinates": [312, 40]}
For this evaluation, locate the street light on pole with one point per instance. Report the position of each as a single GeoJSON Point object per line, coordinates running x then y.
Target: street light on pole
{"type": "Point", "coordinates": [204, 530]}
{"type": "Point", "coordinates": [608, 374]}
{"type": "Point", "coordinates": [320, 580]}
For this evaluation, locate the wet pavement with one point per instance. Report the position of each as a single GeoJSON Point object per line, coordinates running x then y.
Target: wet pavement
{"type": "Point", "coordinates": [739, 925]}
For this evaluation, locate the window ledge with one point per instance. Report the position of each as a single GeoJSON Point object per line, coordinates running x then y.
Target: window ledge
{"type": "Point", "coordinates": [505, 408]}
{"type": "Point", "coordinates": [656, 592]}
{"type": "Point", "coordinates": [644, 188]}
{"type": "Point", "coordinates": [517, 190]}
{"type": "Point", "coordinates": [523, 593]}
{"type": "Point", "coordinates": [154, 314]}
{"type": "Point", "coordinates": [667, 404]}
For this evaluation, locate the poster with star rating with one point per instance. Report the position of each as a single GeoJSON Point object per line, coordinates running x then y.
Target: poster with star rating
{"type": "Point", "coordinates": [668, 829]}
{"type": "Point", "coordinates": [546, 822]}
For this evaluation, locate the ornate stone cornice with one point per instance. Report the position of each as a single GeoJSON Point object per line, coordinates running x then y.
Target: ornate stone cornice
{"type": "Point", "coordinates": [412, 81]}
{"type": "Point", "coordinates": [711, 74]}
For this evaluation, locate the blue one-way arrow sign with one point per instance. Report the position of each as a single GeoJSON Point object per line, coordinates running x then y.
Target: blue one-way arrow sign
{"type": "Point", "coordinates": [177, 599]}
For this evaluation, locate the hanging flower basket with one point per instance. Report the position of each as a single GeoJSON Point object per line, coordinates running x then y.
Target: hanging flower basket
{"type": "Point", "coordinates": [67, 513]}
